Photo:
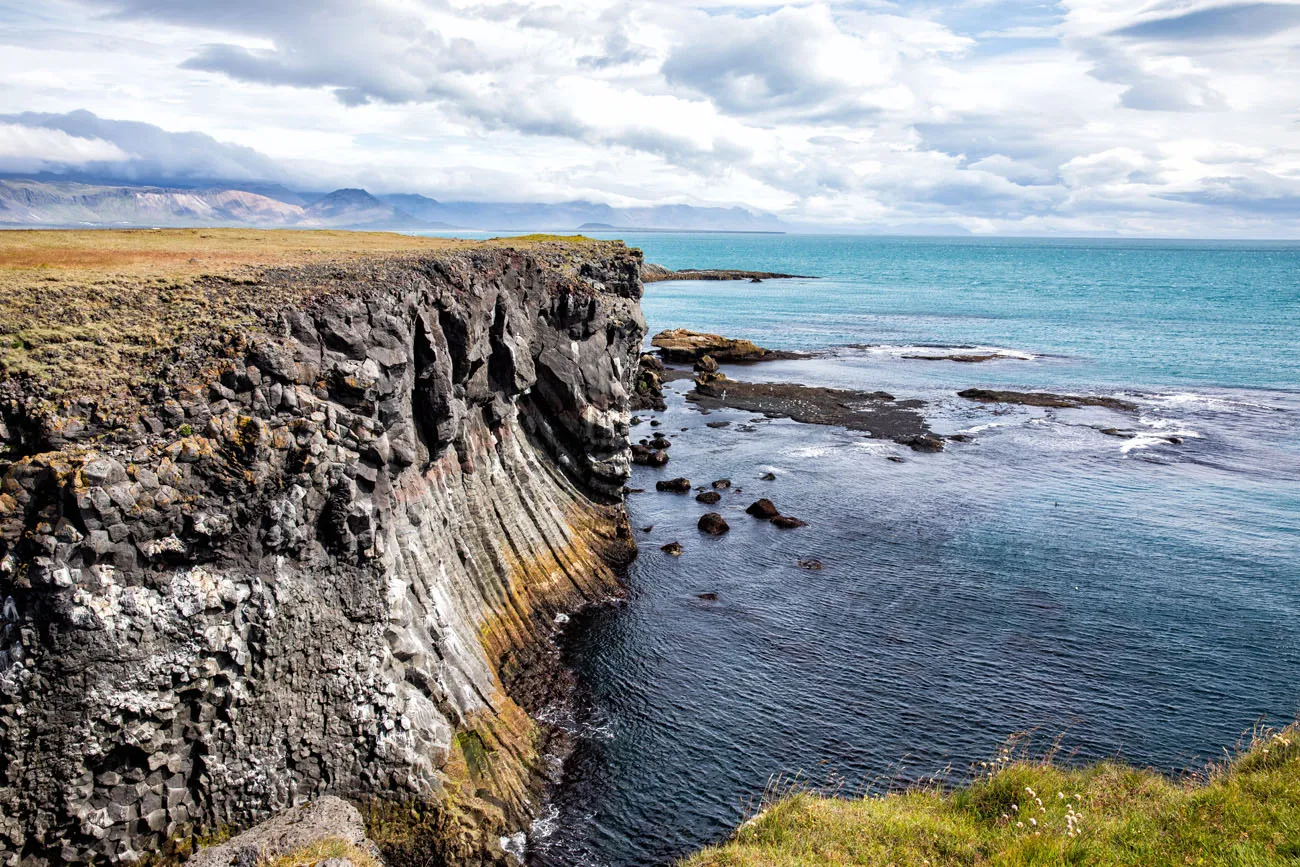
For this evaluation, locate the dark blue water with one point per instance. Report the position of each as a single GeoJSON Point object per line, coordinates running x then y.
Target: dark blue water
{"type": "Point", "coordinates": [1136, 597]}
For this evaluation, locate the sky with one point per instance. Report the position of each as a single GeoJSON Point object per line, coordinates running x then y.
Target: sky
{"type": "Point", "coordinates": [1166, 118]}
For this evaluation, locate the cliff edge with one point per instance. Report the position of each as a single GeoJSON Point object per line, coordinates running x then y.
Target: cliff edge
{"type": "Point", "coordinates": [285, 514]}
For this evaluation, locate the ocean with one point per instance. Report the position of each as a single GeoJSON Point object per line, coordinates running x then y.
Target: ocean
{"type": "Point", "coordinates": [1135, 597]}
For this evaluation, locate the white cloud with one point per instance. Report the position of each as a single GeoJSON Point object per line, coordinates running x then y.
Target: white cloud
{"type": "Point", "coordinates": [1087, 115]}
{"type": "Point", "coordinates": [33, 149]}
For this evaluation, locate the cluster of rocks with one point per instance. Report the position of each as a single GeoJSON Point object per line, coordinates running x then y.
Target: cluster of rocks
{"type": "Point", "coordinates": [290, 576]}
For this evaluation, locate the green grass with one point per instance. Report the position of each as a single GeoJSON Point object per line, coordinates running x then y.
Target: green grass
{"type": "Point", "coordinates": [1244, 811]}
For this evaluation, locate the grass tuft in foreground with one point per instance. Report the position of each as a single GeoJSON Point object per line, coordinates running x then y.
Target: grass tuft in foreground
{"type": "Point", "coordinates": [1245, 811]}
{"type": "Point", "coordinates": [310, 856]}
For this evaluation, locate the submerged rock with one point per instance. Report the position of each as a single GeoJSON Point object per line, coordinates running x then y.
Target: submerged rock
{"type": "Point", "coordinates": [651, 273]}
{"type": "Point", "coordinates": [767, 477]}
{"type": "Point", "coordinates": [721, 484]}
{"type": "Point", "coordinates": [707, 597]}
{"type": "Point", "coordinates": [786, 522]}
{"type": "Point", "coordinates": [875, 413]}
{"type": "Point", "coordinates": [708, 497]}
{"type": "Point", "coordinates": [713, 524]}
{"type": "Point", "coordinates": [678, 485]}
{"type": "Point", "coordinates": [812, 564]}
{"type": "Point", "coordinates": [716, 424]}
{"type": "Point", "coordinates": [921, 443]}
{"type": "Point", "coordinates": [673, 549]}
{"type": "Point", "coordinates": [1046, 399]}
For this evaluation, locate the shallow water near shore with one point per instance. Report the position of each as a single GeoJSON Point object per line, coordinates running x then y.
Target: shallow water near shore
{"type": "Point", "coordinates": [1135, 596]}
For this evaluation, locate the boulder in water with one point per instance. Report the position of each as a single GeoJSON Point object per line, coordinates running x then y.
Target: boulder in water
{"type": "Point", "coordinates": [672, 549]}
{"type": "Point", "coordinates": [674, 486]}
{"type": "Point", "coordinates": [713, 524]}
{"type": "Point", "coordinates": [709, 497]}
{"type": "Point", "coordinates": [786, 522]}
{"type": "Point", "coordinates": [763, 508]}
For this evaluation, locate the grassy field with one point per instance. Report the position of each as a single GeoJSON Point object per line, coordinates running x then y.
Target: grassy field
{"type": "Point", "coordinates": [1244, 811]}
{"type": "Point", "coordinates": [93, 313]}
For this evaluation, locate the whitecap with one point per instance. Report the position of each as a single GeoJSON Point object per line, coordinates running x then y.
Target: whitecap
{"type": "Point", "coordinates": [905, 349]}
{"type": "Point", "coordinates": [545, 824]}
{"type": "Point", "coordinates": [1216, 403]}
{"type": "Point", "coordinates": [1162, 430]}
{"type": "Point", "coordinates": [980, 428]}
{"type": "Point", "coordinates": [513, 845]}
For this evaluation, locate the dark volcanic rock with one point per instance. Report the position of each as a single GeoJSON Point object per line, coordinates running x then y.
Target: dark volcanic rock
{"type": "Point", "coordinates": [785, 522]}
{"type": "Point", "coordinates": [674, 486]}
{"type": "Point", "coordinates": [921, 443]}
{"type": "Point", "coordinates": [706, 364]}
{"type": "Point", "coordinates": [971, 358]}
{"type": "Point", "coordinates": [762, 508]}
{"type": "Point", "coordinates": [673, 549]}
{"type": "Point", "coordinates": [651, 273]}
{"type": "Point", "coordinates": [767, 477]}
{"type": "Point", "coordinates": [716, 424]}
{"type": "Point", "coordinates": [812, 564]}
{"type": "Point", "coordinates": [713, 524]}
{"type": "Point", "coordinates": [648, 457]}
{"type": "Point", "coordinates": [647, 387]}
{"type": "Point", "coordinates": [721, 484]}
{"type": "Point", "coordinates": [327, 556]}
{"type": "Point", "coordinates": [708, 497]}
{"type": "Point", "coordinates": [876, 413]}
{"type": "Point", "coordinates": [707, 597]}
{"type": "Point", "coordinates": [1047, 399]}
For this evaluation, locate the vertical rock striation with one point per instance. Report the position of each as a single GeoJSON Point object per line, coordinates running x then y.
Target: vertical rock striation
{"type": "Point", "coordinates": [318, 564]}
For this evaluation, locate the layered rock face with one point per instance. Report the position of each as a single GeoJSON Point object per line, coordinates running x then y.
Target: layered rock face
{"type": "Point", "coordinates": [320, 564]}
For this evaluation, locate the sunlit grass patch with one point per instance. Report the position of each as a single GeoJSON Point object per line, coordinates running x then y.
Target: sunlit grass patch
{"type": "Point", "coordinates": [1243, 811]}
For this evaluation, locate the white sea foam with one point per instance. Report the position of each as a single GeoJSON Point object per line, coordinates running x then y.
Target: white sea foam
{"type": "Point", "coordinates": [980, 428]}
{"type": "Point", "coordinates": [1161, 431]}
{"type": "Point", "coordinates": [906, 349]}
{"type": "Point", "coordinates": [546, 823]}
{"type": "Point", "coordinates": [1216, 403]}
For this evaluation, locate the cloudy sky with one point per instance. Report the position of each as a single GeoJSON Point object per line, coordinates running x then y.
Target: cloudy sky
{"type": "Point", "coordinates": [1169, 118]}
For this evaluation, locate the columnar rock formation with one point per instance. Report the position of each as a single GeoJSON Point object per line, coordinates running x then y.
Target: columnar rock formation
{"type": "Point", "coordinates": [318, 563]}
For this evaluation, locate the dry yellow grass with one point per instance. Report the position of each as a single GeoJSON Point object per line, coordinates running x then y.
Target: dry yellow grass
{"type": "Point", "coordinates": [309, 856]}
{"type": "Point", "coordinates": [92, 314]}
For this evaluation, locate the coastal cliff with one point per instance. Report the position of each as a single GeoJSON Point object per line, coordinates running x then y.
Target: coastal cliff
{"type": "Point", "coordinates": [316, 545]}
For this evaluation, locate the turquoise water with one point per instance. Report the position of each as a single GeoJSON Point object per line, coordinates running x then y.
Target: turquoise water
{"type": "Point", "coordinates": [1135, 597]}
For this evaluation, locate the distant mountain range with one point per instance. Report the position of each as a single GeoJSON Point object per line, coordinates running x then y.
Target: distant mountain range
{"type": "Point", "coordinates": [54, 203]}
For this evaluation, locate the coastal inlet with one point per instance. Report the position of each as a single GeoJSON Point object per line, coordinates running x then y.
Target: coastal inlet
{"type": "Point", "coordinates": [1105, 550]}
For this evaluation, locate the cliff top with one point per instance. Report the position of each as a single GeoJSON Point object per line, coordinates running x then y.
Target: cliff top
{"type": "Point", "coordinates": [88, 314]}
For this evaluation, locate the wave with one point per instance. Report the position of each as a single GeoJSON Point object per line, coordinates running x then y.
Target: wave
{"type": "Point", "coordinates": [1216, 403]}
{"type": "Point", "coordinates": [1163, 432]}
{"type": "Point", "coordinates": [930, 351]}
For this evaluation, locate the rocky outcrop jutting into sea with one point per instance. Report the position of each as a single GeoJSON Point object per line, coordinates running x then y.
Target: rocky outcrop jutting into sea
{"type": "Point", "coordinates": [319, 562]}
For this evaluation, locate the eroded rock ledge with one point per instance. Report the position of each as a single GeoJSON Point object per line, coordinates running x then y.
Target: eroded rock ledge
{"type": "Point", "coordinates": [317, 561]}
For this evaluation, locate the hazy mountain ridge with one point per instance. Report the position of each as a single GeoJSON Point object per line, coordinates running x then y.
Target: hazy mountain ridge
{"type": "Point", "coordinates": [30, 202]}
{"type": "Point", "coordinates": [36, 203]}
{"type": "Point", "coordinates": [534, 215]}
